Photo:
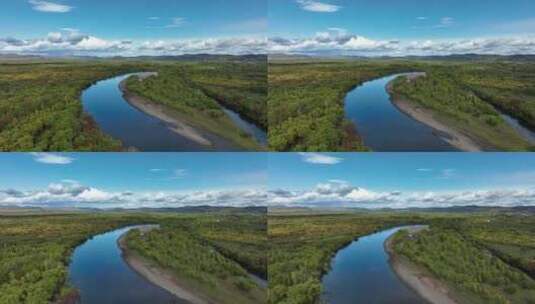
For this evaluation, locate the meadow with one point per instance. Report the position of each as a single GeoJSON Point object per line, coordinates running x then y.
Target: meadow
{"type": "Point", "coordinates": [306, 99]}
{"type": "Point", "coordinates": [35, 249]}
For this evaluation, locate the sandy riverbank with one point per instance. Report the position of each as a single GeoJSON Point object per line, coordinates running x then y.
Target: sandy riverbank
{"type": "Point", "coordinates": [429, 288]}
{"type": "Point", "coordinates": [162, 112]}
{"type": "Point", "coordinates": [452, 136]}
{"type": "Point", "coordinates": [158, 276]}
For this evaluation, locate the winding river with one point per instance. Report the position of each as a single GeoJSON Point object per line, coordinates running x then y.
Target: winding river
{"type": "Point", "coordinates": [361, 273]}
{"type": "Point", "coordinates": [383, 127]}
{"type": "Point", "coordinates": [115, 116]}
{"type": "Point", "coordinates": [101, 275]}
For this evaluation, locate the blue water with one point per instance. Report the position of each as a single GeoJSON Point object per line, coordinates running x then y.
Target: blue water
{"type": "Point", "coordinates": [361, 273]}
{"type": "Point", "coordinates": [383, 127]}
{"type": "Point", "coordinates": [101, 275]}
{"type": "Point", "coordinates": [258, 134]}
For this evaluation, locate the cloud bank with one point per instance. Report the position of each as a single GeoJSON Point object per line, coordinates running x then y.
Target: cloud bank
{"type": "Point", "coordinates": [337, 41]}
{"type": "Point", "coordinates": [73, 42]}
{"type": "Point", "coordinates": [337, 193]}
{"type": "Point", "coordinates": [334, 193]}
{"type": "Point", "coordinates": [69, 193]}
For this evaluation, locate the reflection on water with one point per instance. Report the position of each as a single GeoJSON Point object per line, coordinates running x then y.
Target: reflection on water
{"type": "Point", "coordinates": [101, 275]}
{"type": "Point", "coordinates": [383, 127]}
{"type": "Point", "coordinates": [361, 273]}
{"type": "Point", "coordinates": [258, 134]}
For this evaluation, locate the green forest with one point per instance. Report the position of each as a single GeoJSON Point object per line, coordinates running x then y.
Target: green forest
{"type": "Point", "coordinates": [35, 249]}
{"type": "Point", "coordinates": [472, 256]}
{"type": "Point", "coordinates": [175, 88]}
{"type": "Point", "coordinates": [41, 110]}
{"type": "Point", "coordinates": [467, 96]}
{"type": "Point", "coordinates": [306, 99]}
{"type": "Point", "coordinates": [40, 107]}
{"type": "Point", "coordinates": [302, 246]}
{"type": "Point", "coordinates": [209, 254]}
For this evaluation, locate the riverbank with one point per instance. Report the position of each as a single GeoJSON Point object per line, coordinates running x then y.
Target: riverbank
{"type": "Point", "coordinates": [429, 288]}
{"type": "Point", "coordinates": [163, 113]}
{"type": "Point", "coordinates": [452, 136]}
{"type": "Point", "coordinates": [158, 276]}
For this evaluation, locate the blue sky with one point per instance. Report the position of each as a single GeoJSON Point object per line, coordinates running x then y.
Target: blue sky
{"type": "Point", "coordinates": [123, 179]}
{"type": "Point", "coordinates": [405, 171]}
{"type": "Point", "coordinates": [139, 21]}
{"type": "Point", "coordinates": [399, 180]}
{"type": "Point", "coordinates": [403, 21]}
{"type": "Point", "coordinates": [362, 180]}
{"type": "Point", "coordinates": [129, 171]}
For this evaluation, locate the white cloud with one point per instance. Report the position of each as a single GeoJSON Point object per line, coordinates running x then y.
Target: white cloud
{"type": "Point", "coordinates": [421, 18]}
{"type": "Point", "coordinates": [320, 159]}
{"type": "Point", "coordinates": [157, 170]}
{"type": "Point", "coordinates": [424, 169]}
{"type": "Point", "coordinates": [342, 194]}
{"type": "Point", "coordinates": [50, 7]}
{"type": "Point", "coordinates": [317, 7]}
{"type": "Point", "coordinates": [339, 42]}
{"type": "Point", "coordinates": [154, 18]}
{"type": "Point", "coordinates": [179, 173]}
{"type": "Point", "coordinates": [71, 42]}
{"type": "Point", "coordinates": [176, 22]}
{"type": "Point", "coordinates": [445, 22]}
{"type": "Point", "coordinates": [73, 194]}
{"type": "Point", "coordinates": [52, 159]}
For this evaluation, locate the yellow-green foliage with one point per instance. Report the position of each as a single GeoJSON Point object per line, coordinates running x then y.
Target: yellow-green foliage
{"type": "Point", "coordinates": [306, 103]}
{"type": "Point", "coordinates": [173, 88]}
{"type": "Point", "coordinates": [208, 258]}
{"type": "Point", "coordinates": [35, 250]}
{"type": "Point", "coordinates": [40, 108]}
{"type": "Point", "coordinates": [447, 92]}
{"type": "Point", "coordinates": [302, 247]}
{"type": "Point", "coordinates": [471, 269]}
{"type": "Point", "coordinates": [306, 99]}
{"type": "Point", "coordinates": [240, 86]}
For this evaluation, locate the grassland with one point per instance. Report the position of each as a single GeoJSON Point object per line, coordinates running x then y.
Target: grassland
{"type": "Point", "coordinates": [35, 249]}
{"type": "Point", "coordinates": [40, 107]}
{"type": "Point", "coordinates": [306, 99]}
{"type": "Point", "coordinates": [302, 246]}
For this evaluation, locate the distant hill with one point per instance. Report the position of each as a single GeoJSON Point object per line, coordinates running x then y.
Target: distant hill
{"type": "Point", "coordinates": [281, 210]}
{"type": "Point", "coordinates": [455, 57]}
{"type": "Point", "coordinates": [187, 57]}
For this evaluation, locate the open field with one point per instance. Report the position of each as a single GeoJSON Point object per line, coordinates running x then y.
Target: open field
{"type": "Point", "coordinates": [41, 109]}
{"type": "Point", "coordinates": [306, 98]}
{"type": "Point", "coordinates": [36, 249]}
{"type": "Point", "coordinates": [302, 246]}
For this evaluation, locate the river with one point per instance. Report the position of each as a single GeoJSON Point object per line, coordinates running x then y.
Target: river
{"type": "Point", "coordinates": [101, 275]}
{"type": "Point", "coordinates": [383, 127]}
{"type": "Point", "coordinates": [361, 273]}
{"type": "Point", "coordinates": [106, 104]}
